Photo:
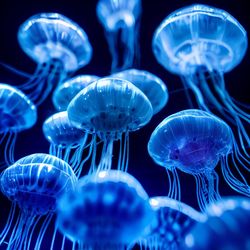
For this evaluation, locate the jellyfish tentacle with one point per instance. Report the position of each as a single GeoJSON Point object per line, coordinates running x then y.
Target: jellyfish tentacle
{"type": "Point", "coordinates": [9, 148]}
{"type": "Point", "coordinates": [14, 70]}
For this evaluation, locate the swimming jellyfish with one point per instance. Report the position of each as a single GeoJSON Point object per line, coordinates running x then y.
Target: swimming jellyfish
{"type": "Point", "coordinates": [174, 221]}
{"type": "Point", "coordinates": [201, 43]}
{"type": "Point", "coordinates": [151, 85]}
{"type": "Point", "coordinates": [195, 141]}
{"type": "Point", "coordinates": [108, 210]}
{"type": "Point", "coordinates": [17, 113]}
{"type": "Point", "coordinates": [65, 92]}
{"type": "Point", "coordinates": [121, 20]}
{"type": "Point", "coordinates": [110, 109]}
{"type": "Point", "coordinates": [34, 183]}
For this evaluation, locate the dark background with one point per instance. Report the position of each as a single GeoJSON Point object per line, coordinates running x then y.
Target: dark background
{"type": "Point", "coordinates": [152, 177]}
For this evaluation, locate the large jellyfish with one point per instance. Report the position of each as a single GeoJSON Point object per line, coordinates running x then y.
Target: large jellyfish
{"type": "Point", "coordinates": [174, 221]}
{"type": "Point", "coordinates": [227, 227]}
{"type": "Point", "coordinates": [195, 141]}
{"type": "Point", "coordinates": [201, 43]}
{"type": "Point", "coordinates": [110, 109]}
{"type": "Point", "coordinates": [151, 85]}
{"type": "Point", "coordinates": [17, 113]}
{"type": "Point", "coordinates": [58, 46]}
{"type": "Point", "coordinates": [34, 183]}
{"type": "Point", "coordinates": [120, 20]}
{"type": "Point", "coordinates": [65, 92]}
{"type": "Point", "coordinates": [109, 210]}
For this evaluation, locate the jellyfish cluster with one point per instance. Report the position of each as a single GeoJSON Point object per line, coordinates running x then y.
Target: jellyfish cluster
{"type": "Point", "coordinates": [82, 192]}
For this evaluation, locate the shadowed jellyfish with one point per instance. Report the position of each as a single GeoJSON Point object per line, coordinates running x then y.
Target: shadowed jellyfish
{"type": "Point", "coordinates": [109, 210]}
{"type": "Point", "coordinates": [195, 141]}
{"type": "Point", "coordinates": [58, 46]}
{"type": "Point", "coordinates": [120, 20]}
{"type": "Point", "coordinates": [151, 85]}
{"type": "Point", "coordinates": [201, 43]}
{"type": "Point", "coordinates": [65, 92]}
{"type": "Point", "coordinates": [109, 109]}
{"type": "Point", "coordinates": [174, 221]}
{"type": "Point", "coordinates": [17, 113]}
{"type": "Point", "coordinates": [66, 141]}
{"type": "Point", "coordinates": [227, 227]}
{"type": "Point", "coordinates": [34, 183]}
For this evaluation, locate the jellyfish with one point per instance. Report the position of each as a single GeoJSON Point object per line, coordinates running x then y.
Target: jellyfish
{"type": "Point", "coordinates": [120, 20]}
{"type": "Point", "coordinates": [34, 183]}
{"type": "Point", "coordinates": [151, 85]}
{"type": "Point", "coordinates": [58, 45]}
{"type": "Point", "coordinates": [227, 227]}
{"type": "Point", "coordinates": [174, 221]}
{"type": "Point", "coordinates": [17, 113]}
{"type": "Point", "coordinates": [65, 92]}
{"type": "Point", "coordinates": [66, 141]}
{"type": "Point", "coordinates": [110, 109]}
{"type": "Point", "coordinates": [195, 142]}
{"type": "Point", "coordinates": [201, 43]}
{"type": "Point", "coordinates": [108, 210]}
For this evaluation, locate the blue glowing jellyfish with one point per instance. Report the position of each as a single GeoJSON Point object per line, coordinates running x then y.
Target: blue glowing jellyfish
{"type": "Point", "coordinates": [195, 141]}
{"type": "Point", "coordinates": [17, 113]}
{"type": "Point", "coordinates": [65, 92]}
{"type": "Point", "coordinates": [109, 210]}
{"type": "Point", "coordinates": [34, 183]}
{"type": "Point", "coordinates": [201, 43]}
{"type": "Point", "coordinates": [110, 109]}
{"type": "Point", "coordinates": [120, 20]}
{"type": "Point", "coordinates": [151, 85]}
{"type": "Point", "coordinates": [174, 221]}
{"type": "Point", "coordinates": [227, 227]}
{"type": "Point", "coordinates": [66, 141]}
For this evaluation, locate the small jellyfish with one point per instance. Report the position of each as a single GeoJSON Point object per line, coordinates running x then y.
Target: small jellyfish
{"type": "Point", "coordinates": [65, 92]}
{"type": "Point", "coordinates": [151, 85]}
{"type": "Point", "coordinates": [66, 141]}
{"type": "Point", "coordinates": [34, 183]}
{"type": "Point", "coordinates": [201, 43]}
{"type": "Point", "coordinates": [121, 21]}
{"type": "Point", "coordinates": [17, 113]}
{"type": "Point", "coordinates": [227, 227]}
{"type": "Point", "coordinates": [109, 210]}
{"type": "Point", "coordinates": [174, 221]}
{"type": "Point", "coordinates": [195, 141]}
{"type": "Point", "coordinates": [110, 109]}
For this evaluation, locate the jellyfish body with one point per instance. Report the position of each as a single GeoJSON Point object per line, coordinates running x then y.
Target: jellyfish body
{"type": "Point", "coordinates": [66, 141]}
{"type": "Point", "coordinates": [65, 92]}
{"type": "Point", "coordinates": [201, 43]}
{"type": "Point", "coordinates": [120, 20]}
{"type": "Point", "coordinates": [110, 108]}
{"type": "Point", "coordinates": [34, 183]}
{"type": "Point", "coordinates": [109, 210]}
{"type": "Point", "coordinates": [151, 85]}
{"type": "Point", "coordinates": [174, 221]}
{"type": "Point", "coordinates": [226, 227]}
{"type": "Point", "coordinates": [195, 141]}
{"type": "Point", "coordinates": [17, 113]}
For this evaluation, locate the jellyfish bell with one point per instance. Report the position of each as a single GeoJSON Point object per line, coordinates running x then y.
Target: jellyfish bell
{"type": "Point", "coordinates": [65, 92]}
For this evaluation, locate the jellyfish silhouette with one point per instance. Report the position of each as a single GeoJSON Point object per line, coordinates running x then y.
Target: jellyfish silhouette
{"type": "Point", "coordinates": [65, 92]}
{"type": "Point", "coordinates": [226, 227]}
{"type": "Point", "coordinates": [66, 141]}
{"type": "Point", "coordinates": [174, 221]}
{"type": "Point", "coordinates": [109, 210]}
{"type": "Point", "coordinates": [17, 113]}
{"type": "Point", "coordinates": [110, 109]}
{"type": "Point", "coordinates": [201, 43]}
{"type": "Point", "coordinates": [58, 46]}
{"type": "Point", "coordinates": [151, 85]}
{"type": "Point", "coordinates": [120, 20]}
{"type": "Point", "coordinates": [195, 141]}
{"type": "Point", "coordinates": [34, 183]}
